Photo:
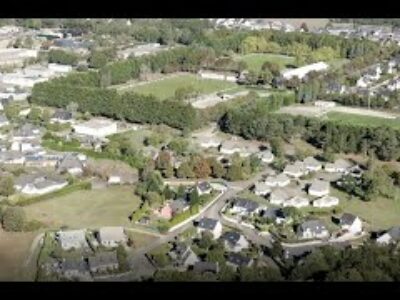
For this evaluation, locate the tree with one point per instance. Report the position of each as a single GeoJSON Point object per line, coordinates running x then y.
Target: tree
{"type": "Point", "coordinates": [63, 57]}
{"type": "Point", "coordinates": [206, 240]}
{"type": "Point", "coordinates": [122, 257]}
{"type": "Point", "coordinates": [217, 169]}
{"type": "Point", "coordinates": [304, 27]}
{"type": "Point", "coordinates": [201, 168]}
{"type": "Point", "coordinates": [178, 145]}
{"type": "Point", "coordinates": [163, 160]}
{"type": "Point", "coordinates": [153, 198]}
{"type": "Point", "coordinates": [277, 147]}
{"type": "Point", "coordinates": [273, 67]}
{"type": "Point", "coordinates": [185, 171]}
{"type": "Point", "coordinates": [6, 186]}
{"type": "Point", "coordinates": [14, 219]}
{"type": "Point", "coordinates": [234, 172]}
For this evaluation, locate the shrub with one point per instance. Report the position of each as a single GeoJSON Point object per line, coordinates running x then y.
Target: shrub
{"type": "Point", "coordinates": [14, 219]}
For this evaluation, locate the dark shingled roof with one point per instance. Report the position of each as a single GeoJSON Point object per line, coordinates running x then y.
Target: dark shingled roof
{"type": "Point", "coordinates": [205, 266]}
{"type": "Point", "coordinates": [204, 186]}
{"type": "Point", "coordinates": [62, 115]}
{"type": "Point", "coordinates": [231, 237]}
{"type": "Point", "coordinates": [249, 205]}
{"type": "Point", "coordinates": [238, 259]}
{"type": "Point", "coordinates": [347, 219]}
{"type": "Point", "coordinates": [394, 233]}
{"type": "Point", "coordinates": [207, 223]}
{"type": "Point", "coordinates": [316, 226]}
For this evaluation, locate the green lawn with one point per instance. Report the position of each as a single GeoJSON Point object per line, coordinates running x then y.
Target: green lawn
{"type": "Point", "coordinates": [166, 88]}
{"type": "Point", "coordinates": [337, 63]}
{"type": "Point", "coordinates": [256, 60]}
{"type": "Point", "coordinates": [381, 213]}
{"type": "Point", "coordinates": [354, 119]}
{"type": "Point", "coordinates": [110, 206]}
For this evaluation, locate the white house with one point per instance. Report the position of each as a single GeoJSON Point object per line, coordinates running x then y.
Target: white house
{"type": "Point", "coordinates": [312, 229]}
{"type": "Point", "coordinates": [311, 164]}
{"type": "Point", "coordinates": [278, 197]}
{"type": "Point", "coordinates": [183, 255]}
{"type": "Point", "coordinates": [42, 186]}
{"type": "Point", "coordinates": [218, 75]}
{"type": "Point", "coordinates": [391, 236]}
{"type": "Point", "coordinates": [72, 239]}
{"type": "Point", "coordinates": [324, 104]}
{"type": "Point", "coordinates": [234, 241]}
{"type": "Point", "coordinates": [230, 147]}
{"type": "Point", "coordinates": [295, 170]}
{"type": "Point", "coordinates": [303, 71]}
{"type": "Point", "coordinates": [351, 223]}
{"type": "Point", "coordinates": [280, 180]}
{"type": "Point", "coordinates": [111, 236]}
{"type": "Point", "coordinates": [339, 166]}
{"type": "Point", "coordinates": [3, 121]}
{"type": "Point", "coordinates": [203, 188]}
{"type": "Point", "coordinates": [261, 189]}
{"type": "Point", "coordinates": [362, 82]}
{"type": "Point", "coordinates": [113, 179]}
{"type": "Point", "coordinates": [319, 188]}
{"type": "Point", "coordinates": [96, 128]}
{"type": "Point", "coordinates": [59, 68]}
{"type": "Point", "coordinates": [244, 207]}
{"type": "Point", "coordinates": [326, 201]}
{"type": "Point", "coordinates": [208, 142]}
{"type": "Point", "coordinates": [71, 164]}
{"type": "Point", "coordinates": [210, 225]}
{"type": "Point", "coordinates": [296, 201]}
{"type": "Point", "coordinates": [266, 156]}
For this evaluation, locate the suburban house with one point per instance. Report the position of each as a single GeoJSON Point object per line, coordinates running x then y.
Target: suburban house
{"type": "Point", "coordinates": [303, 71]}
{"type": "Point", "coordinates": [41, 161]}
{"type": "Point", "coordinates": [179, 205]}
{"type": "Point", "coordinates": [208, 142]}
{"type": "Point", "coordinates": [183, 255]}
{"type": "Point", "coordinates": [236, 260]}
{"type": "Point", "coordinates": [319, 188]}
{"type": "Point", "coordinates": [326, 201]}
{"type": "Point", "coordinates": [26, 145]}
{"type": "Point", "coordinates": [71, 164]}
{"type": "Point", "coordinates": [311, 164]}
{"type": "Point", "coordinates": [103, 262]}
{"type": "Point", "coordinates": [96, 128]}
{"type": "Point", "coordinates": [244, 206]}
{"type": "Point", "coordinates": [261, 189]}
{"type": "Point", "coordinates": [164, 211]}
{"type": "Point", "coordinates": [3, 120]}
{"type": "Point", "coordinates": [391, 236]}
{"type": "Point", "coordinates": [26, 132]}
{"type": "Point", "coordinates": [278, 197]}
{"type": "Point", "coordinates": [230, 147]}
{"type": "Point", "coordinates": [59, 68]}
{"type": "Point", "coordinates": [333, 88]}
{"type": "Point", "coordinates": [280, 180]}
{"type": "Point", "coordinates": [363, 82]}
{"type": "Point", "coordinates": [72, 239]}
{"type": "Point", "coordinates": [74, 269]}
{"type": "Point", "coordinates": [339, 166]}
{"type": "Point", "coordinates": [12, 158]}
{"type": "Point", "coordinates": [210, 225]}
{"type": "Point", "coordinates": [234, 241]}
{"type": "Point", "coordinates": [203, 188]}
{"type": "Point", "coordinates": [114, 179]}
{"type": "Point", "coordinates": [202, 267]}
{"type": "Point", "coordinates": [296, 201]}
{"type": "Point", "coordinates": [218, 75]}
{"type": "Point", "coordinates": [350, 223]}
{"type": "Point", "coordinates": [111, 236]}
{"type": "Point", "coordinates": [275, 215]}
{"type": "Point", "coordinates": [37, 184]}
{"type": "Point", "coordinates": [266, 156]}
{"type": "Point", "coordinates": [295, 170]}
{"type": "Point", "coordinates": [312, 229]}
{"type": "Point", "coordinates": [61, 116]}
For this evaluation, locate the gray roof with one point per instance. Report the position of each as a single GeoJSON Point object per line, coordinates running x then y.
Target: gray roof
{"type": "Point", "coordinates": [319, 185]}
{"type": "Point", "coordinates": [205, 266]}
{"type": "Point", "coordinates": [394, 233]}
{"type": "Point", "coordinates": [73, 265]}
{"type": "Point", "coordinates": [70, 161]}
{"type": "Point", "coordinates": [178, 205]}
{"type": "Point", "coordinates": [62, 115]}
{"type": "Point", "coordinates": [231, 237]}
{"type": "Point", "coordinates": [347, 219]}
{"type": "Point", "coordinates": [204, 186]}
{"type": "Point", "coordinates": [103, 259]}
{"type": "Point", "coordinates": [249, 205]}
{"type": "Point", "coordinates": [273, 213]}
{"type": "Point", "coordinates": [39, 180]}
{"type": "Point", "coordinates": [3, 118]}
{"type": "Point", "coordinates": [316, 226]}
{"type": "Point", "coordinates": [207, 223]}
{"type": "Point", "coordinates": [26, 130]}
{"type": "Point", "coordinates": [238, 259]}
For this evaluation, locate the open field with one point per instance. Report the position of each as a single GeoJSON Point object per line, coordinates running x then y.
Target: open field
{"type": "Point", "coordinates": [87, 209]}
{"type": "Point", "coordinates": [166, 88]}
{"type": "Point", "coordinates": [360, 120]}
{"type": "Point", "coordinates": [256, 60]}
{"type": "Point", "coordinates": [381, 213]}
{"type": "Point", "coordinates": [14, 251]}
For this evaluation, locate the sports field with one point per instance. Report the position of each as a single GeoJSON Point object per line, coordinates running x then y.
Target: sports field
{"type": "Point", "coordinates": [165, 88]}
{"type": "Point", "coordinates": [109, 206]}
{"type": "Point", "coordinates": [256, 60]}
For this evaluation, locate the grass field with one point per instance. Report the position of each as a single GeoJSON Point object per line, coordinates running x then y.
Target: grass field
{"type": "Point", "coordinates": [381, 213]}
{"type": "Point", "coordinates": [14, 250]}
{"type": "Point", "coordinates": [256, 60]}
{"type": "Point", "coordinates": [87, 209]}
{"type": "Point", "coordinates": [354, 119]}
{"type": "Point", "coordinates": [166, 88]}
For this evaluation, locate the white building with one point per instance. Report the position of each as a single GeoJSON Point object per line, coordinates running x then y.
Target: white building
{"type": "Point", "coordinates": [59, 68]}
{"type": "Point", "coordinates": [319, 188]}
{"type": "Point", "coordinates": [391, 236]}
{"type": "Point", "coordinates": [266, 156]}
{"type": "Point", "coordinates": [261, 189]}
{"type": "Point", "coordinates": [324, 104]}
{"type": "Point", "coordinates": [311, 164]}
{"type": "Point", "coordinates": [72, 239]}
{"type": "Point", "coordinates": [351, 223]}
{"type": "Point", "coordinates": [210, 225]}
{"type": "Point", "coordinates": [326, 201]}
{"type": "Point", "coordinates": [303, 71]}
{"type": "Point", "coordinates": [114, 180]}
{"type": "Point", "coordinates": [234, 241]}
{"type": "Point", "coordinates": [312, 229]}
{"type": "Point", "coordinates": [96, 128]}
{"type": "Point", "coordinates": [217, 76]}
{"type": "Point", "coordinates": [278, 197]}
{"type": "Point", "coordinates": [295, 170]}
{"type": "Point", "coordinates": [296, 201]}
{"type": "Point", "coordinates": [111, 236]}
{"type": "Point", "coordinates": [280, 180]}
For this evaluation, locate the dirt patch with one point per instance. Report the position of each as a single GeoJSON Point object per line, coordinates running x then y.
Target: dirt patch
{"type": "Point", "coordinates": [14, 251]}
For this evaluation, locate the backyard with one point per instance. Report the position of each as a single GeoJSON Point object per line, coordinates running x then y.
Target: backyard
{"type": "Point", "coordinates": [361, 120]}
{"type": "Point", "coordinates": [110, 206]}
{"type": "Point", "coordinates": [256, 60]}
{"type": "Point", "coordinates": [166, 88]}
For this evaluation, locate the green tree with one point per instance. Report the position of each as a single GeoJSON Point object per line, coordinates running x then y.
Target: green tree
{"type": "Point", "coordinates": [14, 219]}
{"type": "Point", "coordinates": [277, 147]}
{"type": "Point", "coordinates": [122, 257]}
{"type": "Point", "coordinates": [6, 186]}
{"type": "Point", "coordinates": [185, 171]}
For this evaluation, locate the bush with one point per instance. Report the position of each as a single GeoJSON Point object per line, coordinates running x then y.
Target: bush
{"type": "Point", "coordinates": [14, 219]}
{"type": "Point", "coordinates": [33, 225]}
